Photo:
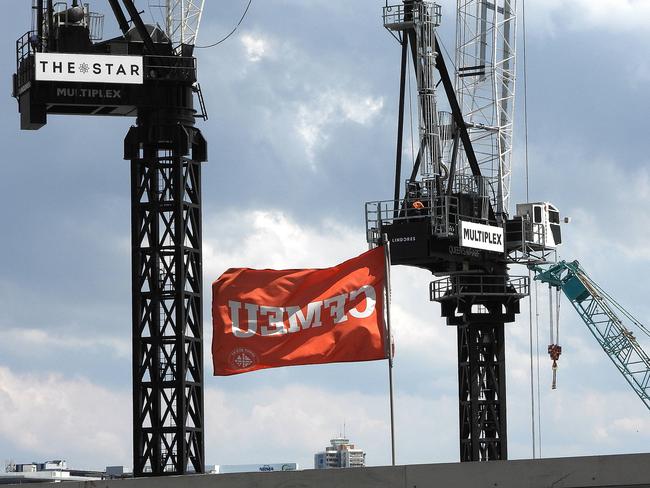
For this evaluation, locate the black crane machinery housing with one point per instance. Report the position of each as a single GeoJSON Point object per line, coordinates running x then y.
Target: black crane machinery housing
{"type": "Point", "coordinates": [64, 68]}
{"type": "Point", "coordinates": [426, 228]}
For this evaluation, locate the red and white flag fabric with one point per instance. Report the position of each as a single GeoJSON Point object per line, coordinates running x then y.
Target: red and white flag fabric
{"type": "Point", "coordinates": [273, 318]}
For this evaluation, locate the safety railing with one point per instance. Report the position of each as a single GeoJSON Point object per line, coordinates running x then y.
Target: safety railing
{"type": "Point", "coordinates": [96, 26]}
{"type": "Point", "coordinates": [529, 244]}
{"type": "Point", "coordinates": [443, 212]}
{"type": "Point", "coordinates": [457, 286]}
{"type": "Point", "coordinates": [387, 212]}
{"type": "Point", "coordinates": [446, 217]}
{"type": "Point", "coordinates": [65, 15]}
{"type": "Point", "coordinates": [26, 46]}
{"type": "Point", "coordinates": [398, 17]}
{"type": "Point", "coordinates": [170, 68]}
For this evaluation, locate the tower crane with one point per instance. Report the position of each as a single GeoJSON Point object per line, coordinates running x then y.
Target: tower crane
{"type": "Point", "coordinates": [64, 67]}
{"type": "Point", "coordinates": [608, 322]}
{"type": "Point", "coordinates": [453, 217]}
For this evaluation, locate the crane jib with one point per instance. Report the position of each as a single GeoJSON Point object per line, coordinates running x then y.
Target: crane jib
{"type": "Point", "coordinates": [609, 323]}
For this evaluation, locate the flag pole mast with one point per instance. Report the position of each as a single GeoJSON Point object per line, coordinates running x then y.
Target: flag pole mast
{"type": "Point", "coordinates": [390, 348]}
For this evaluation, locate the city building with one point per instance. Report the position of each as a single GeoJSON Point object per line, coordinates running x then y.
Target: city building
{"type": "Point", "coordinates": [48, 472]}
{"type": "Point", "coordinates": [340, 454]}
{"type": "Point", "coordinates": [254, 468]}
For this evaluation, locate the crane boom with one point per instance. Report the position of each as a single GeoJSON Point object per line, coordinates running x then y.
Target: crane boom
{"type": "Point", "coordinates": [606, 319]}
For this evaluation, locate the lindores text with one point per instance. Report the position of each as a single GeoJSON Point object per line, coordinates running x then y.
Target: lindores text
{"type": "Point", "coordinates": [288, 320]}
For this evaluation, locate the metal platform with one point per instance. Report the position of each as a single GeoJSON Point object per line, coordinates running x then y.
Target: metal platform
{"type": "Point", "coordinates": [622, 471]}
{"type": "Point", "coordinates": [400, 17]}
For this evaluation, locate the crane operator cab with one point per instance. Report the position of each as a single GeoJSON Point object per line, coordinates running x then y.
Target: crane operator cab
{"type": "Point", "coordinates": [535, 226]}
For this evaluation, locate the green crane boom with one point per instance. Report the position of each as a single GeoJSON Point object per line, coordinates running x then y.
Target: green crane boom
{"type": "Point", "coordinates": [608, 321]}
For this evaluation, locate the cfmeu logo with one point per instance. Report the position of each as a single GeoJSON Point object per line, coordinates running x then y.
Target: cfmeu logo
{"type": "Point", "coordinates": [242, 358]}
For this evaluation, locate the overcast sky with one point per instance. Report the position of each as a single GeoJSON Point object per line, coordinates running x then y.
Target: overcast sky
{"type": "Point", "coordinates": [302, 128]}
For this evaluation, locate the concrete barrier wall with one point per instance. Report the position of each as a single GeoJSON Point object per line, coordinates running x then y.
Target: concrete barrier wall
{"type": "Point", "coordinates": [624, 471]}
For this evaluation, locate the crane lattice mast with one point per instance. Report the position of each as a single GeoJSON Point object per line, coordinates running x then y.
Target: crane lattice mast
{"type": "Point", "coordinates": [183, 19]}
{"type": "Point", "coordinates": [486, 35]}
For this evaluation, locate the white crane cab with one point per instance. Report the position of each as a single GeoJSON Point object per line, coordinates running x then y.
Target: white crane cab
{"type": "Point", "coordinates": [535, 226]}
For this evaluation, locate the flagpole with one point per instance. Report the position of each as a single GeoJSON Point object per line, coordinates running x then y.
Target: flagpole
{"type": "Point", "coordinates": [390, 348]}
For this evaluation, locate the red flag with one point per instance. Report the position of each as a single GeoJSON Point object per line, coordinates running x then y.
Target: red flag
{"type": "Point", "coordinates": [272, 318]}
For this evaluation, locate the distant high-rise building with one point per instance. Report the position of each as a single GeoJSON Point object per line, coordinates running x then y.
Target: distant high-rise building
{"type": "Point", "coordinates": [341, 454]}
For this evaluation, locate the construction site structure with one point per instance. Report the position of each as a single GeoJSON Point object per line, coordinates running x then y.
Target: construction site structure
{"type": "Point", "coordinates": [64, 67]}
{"type": "Point", "coordinates": [453, 218]}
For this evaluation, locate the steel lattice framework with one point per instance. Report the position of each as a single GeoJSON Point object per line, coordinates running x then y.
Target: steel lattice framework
{"type": "Point", "coordinates": [485, 86]}
{"type": "Point", "coordinates": [607, 321]}
{"type": "Point", "coordinates": [482, 392]}
{"type": "Point", "coordinates": [426, 17]}
{"type": "Point", "coordinates": [183, 18]}
{"type": "Point", "coordinates": [167, 284]}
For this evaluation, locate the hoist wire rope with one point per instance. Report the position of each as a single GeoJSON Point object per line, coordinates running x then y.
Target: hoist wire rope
{"type": "Point", "coordinates": [241, 20]}
{"type": "Point", "coordinates": [532, 381]}
{"type": "Point", "coordinates": [557, 316]}
{"type": "Point", "coordinates": [157, 6]}
{"type": "Point", "coordinates": [539, 391]}
{"type": "Point", "coordinates": [550, 314]}
{"type": "Point", "coordinates": [452, 61]}
{"type": "Point", "coordinates": [536, 433]}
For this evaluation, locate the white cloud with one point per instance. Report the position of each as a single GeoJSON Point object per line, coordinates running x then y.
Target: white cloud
{"type": "Point", "coordinates": [290, 422]}
{"type": "Point", "coordinates": [271, 239]}
{"type": "Point", "coordinates": [256, 47]}
{"type": "Point", "coordinates": [33, 339]}
{"type": "Point", "coordinates": [52, 417]}
{"type": "Point", "coordinates": [298, 101]}
{"type": "Point", "coordinates": [629, 16]}
{"type": "Point", "coordinates": [315, 117]}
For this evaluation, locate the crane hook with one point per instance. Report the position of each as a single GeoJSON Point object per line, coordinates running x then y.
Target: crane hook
{"type": "Point", "coordinates": [554, 350]}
